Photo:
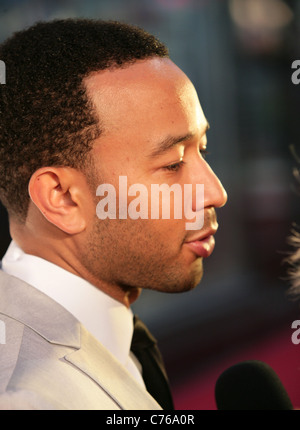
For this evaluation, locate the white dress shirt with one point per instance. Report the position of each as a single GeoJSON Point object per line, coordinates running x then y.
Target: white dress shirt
{"type": "Point", "coordinates": [106, 319]}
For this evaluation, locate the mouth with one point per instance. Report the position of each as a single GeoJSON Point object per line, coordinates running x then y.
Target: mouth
{"type": "Point", "coordinates": [202, 245]}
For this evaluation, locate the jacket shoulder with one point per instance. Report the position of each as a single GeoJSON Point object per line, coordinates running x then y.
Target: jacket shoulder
{"type": "Point", "coordinates": [25, 400]}
{"type": "Point", "coordinates": [11, 336]}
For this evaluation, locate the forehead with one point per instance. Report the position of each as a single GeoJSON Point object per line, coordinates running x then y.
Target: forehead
{"type": "Point", "coordinates": [149, 99]}
{"type": "Point", "coordinates": [143, 73]}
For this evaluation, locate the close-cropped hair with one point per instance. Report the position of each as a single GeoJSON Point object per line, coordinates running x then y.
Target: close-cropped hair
{"type": "Point", "coordinates": [46, 117]}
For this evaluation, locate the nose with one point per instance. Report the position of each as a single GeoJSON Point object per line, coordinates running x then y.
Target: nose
{"type": "Point", "coordinates": [214, 192]}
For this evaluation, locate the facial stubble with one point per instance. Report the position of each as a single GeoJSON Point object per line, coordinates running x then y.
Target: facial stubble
{"type": "Point", "coordinates": [128, 254]}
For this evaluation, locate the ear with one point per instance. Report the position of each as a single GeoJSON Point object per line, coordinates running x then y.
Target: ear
{"type": "Point", "coordinates": [60, 194]}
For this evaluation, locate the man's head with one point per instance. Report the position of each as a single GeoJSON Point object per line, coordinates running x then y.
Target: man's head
{"type": "Point", "coordinates": [142, 121]}
{"type": "Point", "coordinates": [46, 118]}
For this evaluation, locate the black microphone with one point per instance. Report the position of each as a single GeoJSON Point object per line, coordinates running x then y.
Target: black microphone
{"type": "Point", "coordinates": [251, 385]}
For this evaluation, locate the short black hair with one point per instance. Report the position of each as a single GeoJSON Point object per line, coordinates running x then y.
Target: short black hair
{"type": "Point", "coordinates": [46, 117]}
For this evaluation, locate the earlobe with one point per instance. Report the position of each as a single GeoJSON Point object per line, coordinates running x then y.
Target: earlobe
{"type": "Point", "coordinates": [56, 193]}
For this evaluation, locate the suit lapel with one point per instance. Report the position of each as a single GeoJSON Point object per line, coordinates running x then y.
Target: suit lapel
{"type": "Point", "coordinates": [96, 361]}
{"type": "Point", "coordinates": [46, 317]}
{"type": "Point", "coordinates": [34, 309]}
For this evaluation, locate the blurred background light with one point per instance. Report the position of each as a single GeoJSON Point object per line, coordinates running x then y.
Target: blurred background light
{"type": "Point", "coordinates": [262, 16]}
{"type": "Point", "coordinates": [260, 23]}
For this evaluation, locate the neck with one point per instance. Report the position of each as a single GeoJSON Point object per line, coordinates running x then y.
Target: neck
{"type": "Point", "coordinates": [61, 251]}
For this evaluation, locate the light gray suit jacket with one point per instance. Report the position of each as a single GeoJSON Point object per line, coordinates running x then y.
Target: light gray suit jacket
{"type": "Point", "coordinates": [48, 360]}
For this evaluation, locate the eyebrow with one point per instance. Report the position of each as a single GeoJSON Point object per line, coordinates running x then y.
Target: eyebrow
{"type": "Point", "coordinates": [170, 141]}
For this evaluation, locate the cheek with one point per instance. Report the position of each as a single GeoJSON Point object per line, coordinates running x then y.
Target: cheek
{"type": "Point", "coordinates": [153, 235]}
{"type": "Point", "coordinates": [162, 235]}
{"type": "Point", "coordinates": [138, 215]}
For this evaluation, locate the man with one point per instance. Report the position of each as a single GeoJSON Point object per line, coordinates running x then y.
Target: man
{"type": "Point", "coordinates": [91, 103]}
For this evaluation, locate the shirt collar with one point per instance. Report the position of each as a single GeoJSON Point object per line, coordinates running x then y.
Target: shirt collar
{"type": "Point", "coordinates": [106, 319]}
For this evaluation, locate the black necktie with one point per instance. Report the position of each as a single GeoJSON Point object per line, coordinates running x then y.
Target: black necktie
{"type": "Point", "coordinates": [144, 347]}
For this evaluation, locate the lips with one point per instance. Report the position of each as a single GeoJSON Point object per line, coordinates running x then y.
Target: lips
{"type": "Point", "coordinates": [203, 245]}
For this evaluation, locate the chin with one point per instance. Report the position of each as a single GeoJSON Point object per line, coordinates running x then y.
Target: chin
{"type": "Point", "coordinates": [196, 273]}
{"type": "Point", "coordinates": [192, 278]}
{"type": "Point", "coordinates": [185, 285]}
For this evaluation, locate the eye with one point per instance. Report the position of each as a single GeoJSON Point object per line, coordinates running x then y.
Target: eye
{"type": "Point", "coordinates": [175, 167]}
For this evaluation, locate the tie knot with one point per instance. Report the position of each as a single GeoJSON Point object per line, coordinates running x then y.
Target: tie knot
{"type": "Point", "coordinates": [142, 338]}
